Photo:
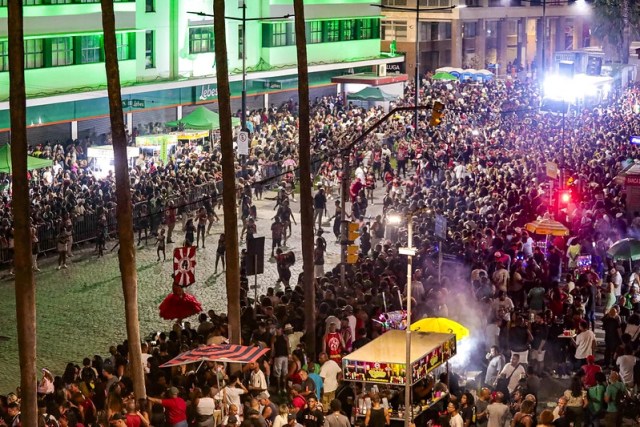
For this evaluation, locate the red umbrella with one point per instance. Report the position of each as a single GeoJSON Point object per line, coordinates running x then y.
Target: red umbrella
{"type": "Point", "coordinates": [231, 353]}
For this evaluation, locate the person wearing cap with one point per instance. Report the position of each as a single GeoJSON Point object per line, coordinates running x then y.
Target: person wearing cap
{"type": "Point", "coordinates": [590, 370]}
{"type": "Point", "coordinates": [175, 408]}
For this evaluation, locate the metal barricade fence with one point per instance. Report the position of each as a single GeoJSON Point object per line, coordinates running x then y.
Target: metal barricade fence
{"type": "Point", "coordinates": [85, 228]}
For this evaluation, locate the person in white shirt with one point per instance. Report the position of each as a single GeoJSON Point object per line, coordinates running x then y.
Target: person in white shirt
{"type": "Point", "coordinates": [456, 418]}
{"type": "Point", "coordinates": [513, 371]}
{"type": "Point", "coordinates": [627, 362]}
{"type": "Point", "coordinates": [330, 372]}
{"type": "Point", "coordinates": [585, 343]}
{"type": "Point", "coordinates": [257, 381]}
{"type": "Point", "coordinates": [616, 278]}
{"type": "Point", "coordinates": [496, 364]}
{"type": "Point", "coordinates": [232, 392]}
{"type": "Point", "coordinates": [492, 333]}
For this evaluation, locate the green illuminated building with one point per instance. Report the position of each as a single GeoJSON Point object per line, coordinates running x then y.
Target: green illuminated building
{"type": "Point", "coordinates": [167, 64]}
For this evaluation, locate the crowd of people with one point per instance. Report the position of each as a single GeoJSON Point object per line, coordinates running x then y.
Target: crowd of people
{"type": "Point", "coordinates": [530, 300]}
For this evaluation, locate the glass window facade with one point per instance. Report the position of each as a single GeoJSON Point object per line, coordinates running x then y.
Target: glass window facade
{"type": "Point", "coordinates": [61, 51]}
{"type": "Point", "coordinates": [201, 40]}
{"type": "Point", "coordinates": [90, 49]}
{"type": "Point", "coordinates": [321, 31]}
{"type": "Point", "coordinates": [34, 53]}
{"type": "Point", "coordinates": [149, 49]}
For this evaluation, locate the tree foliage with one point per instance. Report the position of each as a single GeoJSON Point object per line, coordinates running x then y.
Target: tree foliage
{"type": "Point", "coordinates": [608, 23]}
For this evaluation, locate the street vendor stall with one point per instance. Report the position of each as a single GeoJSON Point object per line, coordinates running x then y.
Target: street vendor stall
{"type": "Point", "coordinates": [161, 144]}
{"type": "Point", "coordinates": [382, 362]}
{"type": "Point", "coordinates": [101, 159]}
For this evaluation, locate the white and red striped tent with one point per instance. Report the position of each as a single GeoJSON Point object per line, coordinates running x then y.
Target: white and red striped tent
{"type": "Point", "coordinates": [231, 353]}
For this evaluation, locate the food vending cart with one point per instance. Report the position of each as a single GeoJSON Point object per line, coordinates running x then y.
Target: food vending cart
{"type": "Point", "coordinates": [383, 361]}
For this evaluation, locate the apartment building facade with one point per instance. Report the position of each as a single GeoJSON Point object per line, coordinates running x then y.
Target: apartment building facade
{"type": "Point", "coordinates": [484, 33]}
{"type": "Point", "coordinates": [167, 60]}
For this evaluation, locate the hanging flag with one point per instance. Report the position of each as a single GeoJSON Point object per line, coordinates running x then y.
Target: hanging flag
{"type": "Point", "coordinates": [184, 266]}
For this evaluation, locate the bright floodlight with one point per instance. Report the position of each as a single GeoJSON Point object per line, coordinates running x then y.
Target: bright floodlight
{"type": "Point", "coordinates": [394, 219]}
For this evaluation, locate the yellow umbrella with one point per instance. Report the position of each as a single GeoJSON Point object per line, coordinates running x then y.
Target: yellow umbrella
{"type": "Point", "coordinates": [547, 227]}
{"type": "Point", "coordinates": [440, 325]}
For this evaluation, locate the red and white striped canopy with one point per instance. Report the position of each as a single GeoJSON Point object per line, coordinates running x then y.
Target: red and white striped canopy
{"type": "Point", "coordinates": [231, 353]}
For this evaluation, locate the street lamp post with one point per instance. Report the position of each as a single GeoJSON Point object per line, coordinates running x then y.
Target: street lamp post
{"type": "Point", "coordinates": [416, 69]}
{"type": "Point", "coordinates": [410, 252]}
{"type": "Point", "coordinates": [244, 20]}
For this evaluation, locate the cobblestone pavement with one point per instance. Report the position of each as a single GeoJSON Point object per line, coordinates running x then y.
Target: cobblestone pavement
{"type": "Point", "coordinates": [80, 310]}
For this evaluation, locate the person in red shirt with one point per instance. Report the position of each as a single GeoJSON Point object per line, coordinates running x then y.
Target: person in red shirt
{"type": "Point", "coordinates": [175, 408]}
{"type": "Point", "coordinates": [590, 371]}
{"type": "Point", "coordinates": [135, 418]}
{"type": "Point", "coordinates": [333, 344]}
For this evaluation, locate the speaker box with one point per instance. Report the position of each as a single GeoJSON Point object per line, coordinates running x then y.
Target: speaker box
{"type": "Point", "coordinates": [255, 256]}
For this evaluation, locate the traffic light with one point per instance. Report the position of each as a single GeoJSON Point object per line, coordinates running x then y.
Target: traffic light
{"type": "Point", "coordinates": [437, 111]}
{"type": "Point", "coordinates": [352, 254]}
{"type": "Point", "coordinates": [354, 232]}
{"type": "Point", "coordinates": [565, 197]}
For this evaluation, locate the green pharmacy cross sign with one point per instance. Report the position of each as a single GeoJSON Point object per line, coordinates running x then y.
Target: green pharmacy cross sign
{"type": "Point", "coordinates": [133, 103]}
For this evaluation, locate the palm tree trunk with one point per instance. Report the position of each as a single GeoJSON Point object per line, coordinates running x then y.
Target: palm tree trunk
{"type": "Point", "coordinates": [306, 200]}
{"type": "Point", "coordinates": [626, 32]}
{"type": "Point", "coordinates": [127, 252]}
{"type": "Point", "coordinates": [232, 274]}
{"type": "Point", "coordinates": [25, 285]}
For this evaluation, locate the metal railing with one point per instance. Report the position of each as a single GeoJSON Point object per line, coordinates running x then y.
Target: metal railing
{"type": "Point", "coordinates": [85, 227]}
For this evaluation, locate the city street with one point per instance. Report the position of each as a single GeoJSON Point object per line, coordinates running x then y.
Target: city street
{"type": "Point", "coordinates": [80, 310]}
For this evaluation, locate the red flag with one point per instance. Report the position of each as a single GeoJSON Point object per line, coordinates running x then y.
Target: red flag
{"type": "Point", "coordinates": [184, 265]}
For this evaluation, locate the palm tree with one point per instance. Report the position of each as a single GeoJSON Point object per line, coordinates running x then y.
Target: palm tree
{"type": "Point", "coordinates": [306, 200]}
{"type": "Point", "coordinates": [232, 273]}
{"type": "Point", "coordinates": [127, 251]}
{"type": "Point", "coordinates": [25, 284]}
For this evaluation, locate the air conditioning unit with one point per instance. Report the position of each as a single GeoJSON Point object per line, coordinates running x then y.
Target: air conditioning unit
{"type": "Point", "coordinates": [382, 70]}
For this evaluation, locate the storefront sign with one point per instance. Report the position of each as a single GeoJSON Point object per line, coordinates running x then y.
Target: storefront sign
{"type": "Point", "coordinates": [207, 92]}
{"type": "Point", "coordinates": [373, 372]}
{"type": "Point", "coordinates": [133, 103]}
{"type": "Point", "coordinates": [272, 85]}
{"type": "Point", "coordinates": [395, 68]}
{"type": "Point", "coordinates": [156, 141]}
{"type": "Point", "coordinates": [632, 181]}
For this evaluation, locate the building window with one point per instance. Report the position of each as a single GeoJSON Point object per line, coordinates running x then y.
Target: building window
{"type": "Point", "coordinates": [33, 53]}
{"type": "Point", "coordinates": [469, 29]}
{"type": "Point", "coordinates": [149, 6]}
{"type": "Point", "coordinates": [200, 40]}
{"type": "Point", "coordinates": [447, 30]}
{"type": "Point", "coordinates": [434, 33]}
{"type": "Point", "coordinates": [435, 3]}
{"type": "Point", "coordinates": [240, 40]}
{"type": "Point", "coordinates": [149, 57]}
{"type": "Point", "coordinates": [90, 49]}
{"type": "Point", "coordinates": [279, 34]}
{"type": "Point", "coordinates": [122, 46]}
{"type": "Point", "coordinates": [394, 2]}
{"type": "Point", "coordinates": [366, 29]}
{"type": "Point", "coordinates": [4, 56]}
{"type": "Point", "coordinates": [31, 2]}
{"type": "Point", "coordinates": [315, 32]}
{"type": "Point", "coordinates": [394, 30]}
{"type": "Point", "coordinates": [60, 1]}
{"type": "Point", "coordinates": [332, 31]}
{"type": "Point", "coordinates": [61, 51]}
{"type": "Point", "coordinates": [348, 30]}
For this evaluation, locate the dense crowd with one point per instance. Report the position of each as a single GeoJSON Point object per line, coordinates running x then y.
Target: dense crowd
{"type": "Point", "coordinates": [526, 299]}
